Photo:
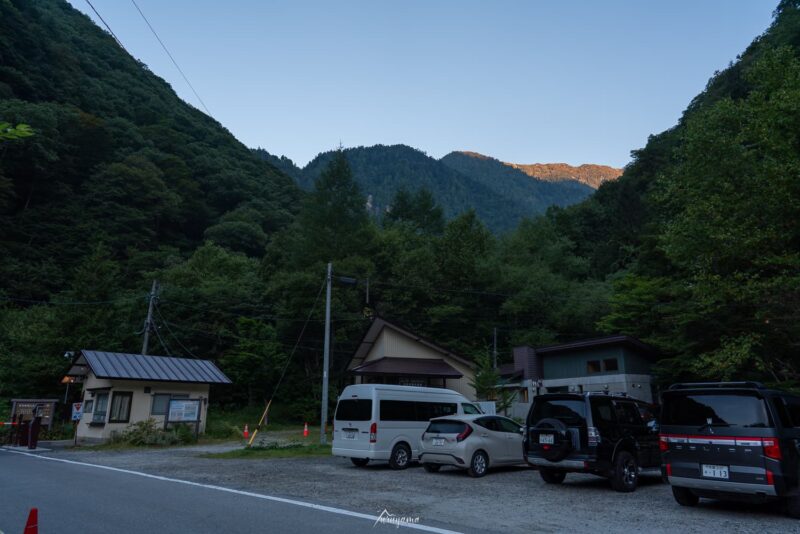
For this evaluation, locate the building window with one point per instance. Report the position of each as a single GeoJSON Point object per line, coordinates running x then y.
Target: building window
{"type": "Point", "coordinates": [87, 406]}
{"type": "Point", "coordinates": [121, 407]}
{"type": "Point", "coordinates": [593, 366]}
{"type": "Point", "coordinates": [160, 404]}
{"type": "Point", "coordinates": [611, 364]}
{"type": "Point", "coordinates": [100, 408]}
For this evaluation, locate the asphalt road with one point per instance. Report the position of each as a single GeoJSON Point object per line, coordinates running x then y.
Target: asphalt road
{"type": "Point", "coordinates": [81, 498]}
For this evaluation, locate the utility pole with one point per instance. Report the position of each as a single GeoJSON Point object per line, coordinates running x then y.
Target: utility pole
{"type": "Point", "coordinates": [494, 349]}
{"type": "Point", "coordinates": [323, 438]}
{"type": "Point", "coordinates": [149, 321]}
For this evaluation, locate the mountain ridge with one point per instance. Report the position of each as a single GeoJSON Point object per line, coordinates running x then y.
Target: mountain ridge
{"type": "Point", "coordinates": [591, 174]}
{"type": "Point", "coordinates": [500, 194]}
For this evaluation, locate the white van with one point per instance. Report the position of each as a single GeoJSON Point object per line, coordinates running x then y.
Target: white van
{"type": "Point", "coordinates": [385, 422]}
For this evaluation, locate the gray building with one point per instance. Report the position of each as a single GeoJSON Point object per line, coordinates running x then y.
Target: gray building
{"type": "Point", "coordinates": [616, 363]}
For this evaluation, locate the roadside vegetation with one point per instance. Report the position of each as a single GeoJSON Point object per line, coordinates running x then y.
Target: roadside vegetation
{"type": "Point", "coordinates": [275, 450]}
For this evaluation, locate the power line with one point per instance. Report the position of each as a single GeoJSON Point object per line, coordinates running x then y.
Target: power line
{"type": "Point", "coordinates": [107, 26]}
{"type": "Point", "coordinates": [299, 337]}
{"type": "Point", "coordinates": [170, 56]}
{"type": "Point", "coordinates": [160, 340]}
{"type": "Point", "coordinates": [158, 311]}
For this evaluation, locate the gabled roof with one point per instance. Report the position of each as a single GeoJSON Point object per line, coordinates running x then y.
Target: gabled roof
{"type": "Point", "coordinates": [379, 324]}
{"type": "Point", "coordinates": [423, 367]}
{"type": "Point", "coordinates": [121, 366]}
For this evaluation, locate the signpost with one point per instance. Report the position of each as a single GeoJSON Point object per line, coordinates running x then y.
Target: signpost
{"type": "Point", "coordinates": [184, 411]}
{"type": "Point", "coordinates": [77, 414]}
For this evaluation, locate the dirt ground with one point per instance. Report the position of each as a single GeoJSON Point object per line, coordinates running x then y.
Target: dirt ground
{"type": "Point", "coordinates": [507, 500]}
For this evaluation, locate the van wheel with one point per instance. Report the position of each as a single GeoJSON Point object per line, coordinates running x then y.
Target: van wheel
{"type": "Point", "coordinates": [478, 465]}
{"type": "Point", "coordinates": [432, 468]}
{"type": "Point", "coordinates": [359, 462]}
{"type": "Point", "coordinates": [626, 473]}
{"type": "Point", "coordinates": [552, 476]}
{"type": "Point", "coordinates": [685, 496]}
{"type": "Point", "coordinates": [400, 457]}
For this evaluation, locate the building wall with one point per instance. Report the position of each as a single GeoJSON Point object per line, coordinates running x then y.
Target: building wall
{"type": "Point", "coordinates": [572, 364]}
{"type": "Point", "coordinates": [636, 385]}
{"type": "Point", "coordinates": [393, 344]}
{"type": "Point", "coordinates": [141, 403]}
{"type": "Point", "coordinates": [635, 363]}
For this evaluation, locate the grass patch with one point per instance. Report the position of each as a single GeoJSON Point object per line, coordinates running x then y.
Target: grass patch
{"type": "Point", "coordinates": [275, 450]}
{"type": "Point", "coordinates": [229, 423]}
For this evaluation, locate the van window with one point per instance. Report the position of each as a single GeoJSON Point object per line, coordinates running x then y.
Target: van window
{"type": "Point", "coordinates": [741, 409]}
{"type": "Point", "coordinates": [398, 411]}
{"type": "Point", "coordinates": [470, 409]}
{"type": "Point", "coordinates": [392, 410]}
{"type": "Point", "coordinates": [429, 410]}
{"type": "Point", "coordinates": [354, 410]}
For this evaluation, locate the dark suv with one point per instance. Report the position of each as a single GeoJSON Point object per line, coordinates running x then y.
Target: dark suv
{"type": "Point", "coordinates": [610, 435]}
{"type": "Point", "coordinates": [731, 440]}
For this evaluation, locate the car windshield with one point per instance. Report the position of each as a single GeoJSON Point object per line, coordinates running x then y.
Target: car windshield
{"type": "Point", "coordinates": [571, 412]}
{"type": "Point", "coordinates": [445, 427]}
{"type": "Point", "coordinates": [700, 410]}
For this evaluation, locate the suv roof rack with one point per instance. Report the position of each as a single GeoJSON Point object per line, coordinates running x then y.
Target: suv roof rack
{"type": "Point", "coordinates": [609, 393]}
{"type": "Point", "coordinates": [695, 385]}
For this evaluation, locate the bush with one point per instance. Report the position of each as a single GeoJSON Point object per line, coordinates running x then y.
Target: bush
{"type": "Point", "coordinates": [148, 433]}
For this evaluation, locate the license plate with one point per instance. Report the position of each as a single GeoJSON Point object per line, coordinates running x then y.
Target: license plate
{"type": "Point", "coordinates": [438, 442]}
{"type": "Point", "coordinates": [546, 439]}
{"type": "Point", "coordinates": [716, 471]}
{"type": "Point", "coordinates": [349, 434]}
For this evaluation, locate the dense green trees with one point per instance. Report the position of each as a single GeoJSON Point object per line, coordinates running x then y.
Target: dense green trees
{"type": "Point", "coordinates": [694, 249]}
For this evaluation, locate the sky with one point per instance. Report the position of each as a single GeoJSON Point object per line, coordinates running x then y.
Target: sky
{"type": "Point", "coordinates": [521, 81]}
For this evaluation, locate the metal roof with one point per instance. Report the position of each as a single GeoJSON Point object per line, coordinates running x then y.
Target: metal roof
{"type": "Point", "coordinates": [120, 366]}
{"type": "Point", "coordinates": [408, 367]}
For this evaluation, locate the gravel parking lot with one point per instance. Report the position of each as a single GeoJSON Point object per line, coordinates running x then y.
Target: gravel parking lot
{"type": "Point", "coordinates": [507, 500]}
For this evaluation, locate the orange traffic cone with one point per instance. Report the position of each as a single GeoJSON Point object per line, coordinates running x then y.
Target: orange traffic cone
{"type": "Point", "coordinates": [305, 431]}
{"type": "Point", "coordinates": [246, 431]}
{"type": "Point", "coordinates": [32, 526]}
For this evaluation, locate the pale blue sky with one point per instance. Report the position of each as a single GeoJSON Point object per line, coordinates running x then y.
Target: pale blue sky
{"type": "Point", "coordinates": [523, 81]}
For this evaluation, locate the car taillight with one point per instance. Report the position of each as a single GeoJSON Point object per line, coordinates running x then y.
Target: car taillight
{"type": "Point", "coordinates": [464, 434]}
{"type": "Point", "coordinates": [770, 478]}
{"type": "Point", "coordinates": [373, 432]}
{"type": "Point", "coordinates": [772, 449]}
{"type": "Point", "coordinates": [669, 470]}
{"type": "Point", "coordinates": [662, 443]}
{"type": "Point", "coordinates": [593, 436]}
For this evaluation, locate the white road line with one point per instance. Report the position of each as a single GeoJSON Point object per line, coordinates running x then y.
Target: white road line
{"type": "Point", "coordinates": [320, 507]}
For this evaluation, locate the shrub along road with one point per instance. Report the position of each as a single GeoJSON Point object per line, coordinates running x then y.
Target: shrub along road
{"type": "Point", "coordinates": [508, 500]}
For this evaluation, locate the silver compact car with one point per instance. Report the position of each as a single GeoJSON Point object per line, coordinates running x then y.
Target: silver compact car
{"type": "Point", "coordinates": [471, 442]}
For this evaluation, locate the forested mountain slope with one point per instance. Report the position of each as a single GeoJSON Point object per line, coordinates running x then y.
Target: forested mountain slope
{"type": "Point", "coordinates": [700, 233]}
{"type": "Point", "coordinates": [500, 195]}
{"type": "Point", "coordinates": [116, 157]}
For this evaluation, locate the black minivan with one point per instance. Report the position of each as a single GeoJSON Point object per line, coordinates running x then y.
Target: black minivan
{"type": "Point", "coordinates": [731, 440]}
